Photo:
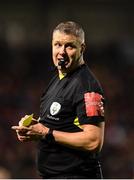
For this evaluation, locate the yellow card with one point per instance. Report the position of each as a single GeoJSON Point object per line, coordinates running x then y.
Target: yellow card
{"type": "Point", "coordinates": [26, 121]}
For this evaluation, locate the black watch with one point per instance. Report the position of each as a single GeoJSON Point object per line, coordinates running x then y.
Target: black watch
{"type": "Point", "coordinates": [49, 136]}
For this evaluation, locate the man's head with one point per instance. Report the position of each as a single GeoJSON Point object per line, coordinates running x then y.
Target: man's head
{"type": "Point", "coordinates": [68, 42]}
{"type": "Point", "coordinates": [71, 28]}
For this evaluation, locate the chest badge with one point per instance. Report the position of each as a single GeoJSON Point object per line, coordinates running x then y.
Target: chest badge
{"type": "Point", "coordinates": [55, 108]}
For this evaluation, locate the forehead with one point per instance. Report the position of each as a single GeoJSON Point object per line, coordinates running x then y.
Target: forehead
{"type": "Point", "coordinates": [64, 38]}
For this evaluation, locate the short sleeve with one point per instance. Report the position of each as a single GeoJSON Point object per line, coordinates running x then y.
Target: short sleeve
{"type": "Point", "coordinates": [90, 108]}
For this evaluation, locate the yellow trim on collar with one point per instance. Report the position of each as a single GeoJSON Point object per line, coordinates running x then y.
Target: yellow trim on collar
{"type": "Point", "coordinates": [61, 76]}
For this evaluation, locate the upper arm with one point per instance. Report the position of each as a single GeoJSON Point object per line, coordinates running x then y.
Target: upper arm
{"type": "Point", "coordinates": [94, 135]}
{"type": "Point", "coordinates": [90, 112]}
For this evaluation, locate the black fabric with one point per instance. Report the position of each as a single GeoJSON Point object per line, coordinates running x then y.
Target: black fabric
{"type": "Point", "coordinates": [55, 159]}
{"type": "Point", "coordinates": [77, 175]}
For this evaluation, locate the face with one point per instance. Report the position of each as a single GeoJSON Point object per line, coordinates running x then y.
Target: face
{"type": "Point", "coordinates": [67, 47]}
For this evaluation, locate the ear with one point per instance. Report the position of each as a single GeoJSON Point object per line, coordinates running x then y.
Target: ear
{"type": "Point", "coordinates": [83, 46]}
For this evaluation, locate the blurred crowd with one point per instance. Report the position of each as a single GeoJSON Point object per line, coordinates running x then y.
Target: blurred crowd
{"type": "Point", "coordinates": [25, 71]}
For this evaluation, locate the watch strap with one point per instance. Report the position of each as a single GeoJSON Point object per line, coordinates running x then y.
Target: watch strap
{"type": "Point", "coordinates": [49, 136]}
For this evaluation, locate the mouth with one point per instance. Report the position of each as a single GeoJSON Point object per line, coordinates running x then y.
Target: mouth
{"type": "Point", "coordinates": [63, 61]}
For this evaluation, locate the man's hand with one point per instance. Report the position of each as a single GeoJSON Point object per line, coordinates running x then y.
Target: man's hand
{"type": "Point", "coordinates": [31, 133]}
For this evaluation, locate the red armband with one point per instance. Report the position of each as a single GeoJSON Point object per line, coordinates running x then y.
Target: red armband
{"type": "Point", "coordinates": [94, 104]}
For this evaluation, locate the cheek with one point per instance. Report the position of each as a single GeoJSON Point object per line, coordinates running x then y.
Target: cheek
{"type": "Point", "coordinates": [74, 55]}
{"type": "Point", "coordinates": [54, 53]}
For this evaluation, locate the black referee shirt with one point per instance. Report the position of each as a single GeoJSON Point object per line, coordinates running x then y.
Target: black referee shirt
{"type": "Point", "coordinates": [65, 106]}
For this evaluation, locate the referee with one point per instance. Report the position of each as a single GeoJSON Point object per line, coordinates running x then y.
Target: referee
{"type": "Point", "coordinates": [70, 131]}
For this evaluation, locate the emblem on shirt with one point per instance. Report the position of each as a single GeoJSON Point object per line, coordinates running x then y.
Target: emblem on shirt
{"type": "Point", "coordinates": [55, 108]}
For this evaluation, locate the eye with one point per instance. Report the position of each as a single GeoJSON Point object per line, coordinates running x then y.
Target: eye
{"type": "Point", "coordinates": [57, 44]}
{"type": "Point", "coordinates": [70, 46]}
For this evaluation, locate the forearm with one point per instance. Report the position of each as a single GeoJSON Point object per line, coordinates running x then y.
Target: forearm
{"type": "Point", "coordinates": [75, 140]}
{"type": "Point", "coordinates": [91, 138]}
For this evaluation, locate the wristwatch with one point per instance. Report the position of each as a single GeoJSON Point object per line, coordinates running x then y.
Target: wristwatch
{"type": "Point", "coordinates": [49, 136]}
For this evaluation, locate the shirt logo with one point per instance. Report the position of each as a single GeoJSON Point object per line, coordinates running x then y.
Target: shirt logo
{"type": "Point", "coordinates": [55, 108]}
{"type": "Point", "coordinates": [94, 104]}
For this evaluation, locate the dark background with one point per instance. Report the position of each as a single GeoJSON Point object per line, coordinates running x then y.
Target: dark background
{"type": "Point", "coordinates": [26, 67]}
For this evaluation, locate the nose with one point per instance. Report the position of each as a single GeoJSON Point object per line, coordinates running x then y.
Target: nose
{"type": "Point", "coordinates": [62, 50]}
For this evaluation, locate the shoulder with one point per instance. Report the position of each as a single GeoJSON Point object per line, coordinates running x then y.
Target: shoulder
{"type": "Point", "coordinates": [86, 81]}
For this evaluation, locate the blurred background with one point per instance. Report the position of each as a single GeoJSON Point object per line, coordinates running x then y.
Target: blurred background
{"type": "Point", "coordinates": [26, 67]}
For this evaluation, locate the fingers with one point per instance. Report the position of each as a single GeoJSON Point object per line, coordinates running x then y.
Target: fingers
{"type": "Point", "coordinates": [24, 134]}
{"type": "Point", "coordinates": [31, 133]}
{"type": "Point", "coordinates": [15, 127]}
{"type": "Point", "coordinates": [35, 120]}
{"type": "Point", "coordinates": [24, 138]}
{"type": "Point", "coordinates": [20, 128]}
{"type": "Point", "coordinates": [21, 131]}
